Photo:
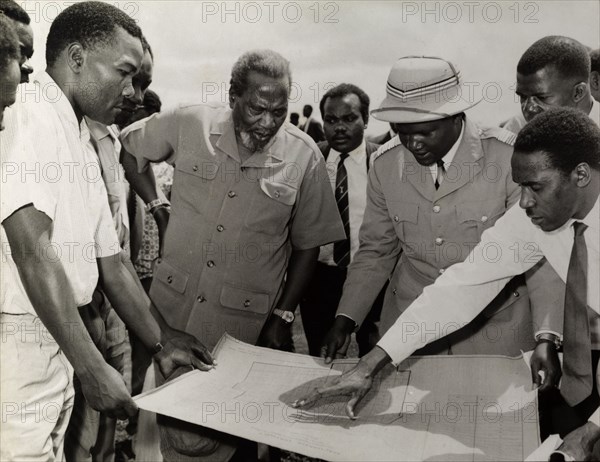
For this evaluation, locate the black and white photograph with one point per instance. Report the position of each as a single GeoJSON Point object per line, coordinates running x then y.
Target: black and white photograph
{"type": "Point", "coordinates": [299, 231]}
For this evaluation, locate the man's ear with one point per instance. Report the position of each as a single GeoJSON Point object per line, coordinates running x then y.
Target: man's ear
{"type": "Point", "coordinates": [579, 91]}
{"type": "Point", "coordinates": [582, 174]}
{"type": "Point", "coordinates": [75, 57]}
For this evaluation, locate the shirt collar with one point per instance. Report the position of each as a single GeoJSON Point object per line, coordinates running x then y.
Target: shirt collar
{"type": "Point", "coordinates": [61, 103]}
{"type": "Point", "coordinates": [84, 131]}
{"type": "Point", "coordinates": [357, 155]}
{"type": "Point", "coordinates": [592, 219]}
{"type": "Point", "coordinates": [449, 157]}
{"type": "Point", "coordinates": [98, 130]}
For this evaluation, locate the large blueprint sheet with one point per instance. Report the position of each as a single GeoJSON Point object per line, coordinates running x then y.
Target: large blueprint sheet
{"type": "Point", "coordinates": [431, 408]}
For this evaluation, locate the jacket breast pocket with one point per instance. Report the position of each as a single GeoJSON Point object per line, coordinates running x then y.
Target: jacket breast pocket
{"type": "Point", "coordinates": [271, 207]}
{"type": "Point", "coordinates": [405, 216]}
{"type": "Point", "coordinates": [195, 180]}
{"type": "Point", "coordinates": [239, 298]}
{"type": "Point", "coordinates": [475, 217]}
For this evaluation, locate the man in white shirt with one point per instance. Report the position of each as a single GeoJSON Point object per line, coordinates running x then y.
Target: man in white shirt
{"type": "Point", "coordinates": [58, 239]}
{"type": "Point", "coordinates": [557, 163]}
{"type": "Point", "coordinates": [553, 72]}
{"type": "Point", "coordinates": [345, 112]}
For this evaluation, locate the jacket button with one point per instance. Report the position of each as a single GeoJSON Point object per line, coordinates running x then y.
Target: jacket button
{"type": "Point", "coordinates": [201, 299]}
{"type": "Point", "coordinates": [277, 193]}
{"type": "Point", "coordinates": [516, 293]}
{"type": "Point", "coordinates": [210, 263]}
{"type": "Point", "coordinates": [195, 168]}
{"type": "Point", "coordinates": [220, 228]}
{"type": "Point", "coordinates": [436, 209]}
{"type": "Point", "coordinates": [231, 194]}
{"type": "Point", "coordinates": [396, 218]}
{"type": "Point", "coordinates": [484, 218]}
{"type": "Point", "coordinates": [395, 291]}
{"type": "Point", "coordinates": [246, 303]}
{"type": "Point", "coordinates": [438, 241]}
{"type": "Point", "coordinates": [441, 271]}
{"type": "Point", "coordinates": [159, 261]}
{"type": "Point", "coordinates": [169, 279]}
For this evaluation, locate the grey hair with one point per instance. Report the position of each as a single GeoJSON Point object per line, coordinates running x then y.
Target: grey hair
{"type": "Point", "coordinates": [267, 62]}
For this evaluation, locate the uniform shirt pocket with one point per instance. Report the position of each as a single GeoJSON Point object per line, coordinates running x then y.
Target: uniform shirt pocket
{"type": "Point", "coordinates": [271, 207]}
{"type": "Point", "coordinates": [476, 217]}
{"type": "Point", "coordinates": [405, 217]}
{"type": "Point", "coordinates": [195, 179]}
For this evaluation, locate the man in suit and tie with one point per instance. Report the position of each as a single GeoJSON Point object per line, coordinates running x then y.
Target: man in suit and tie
{"type": "Point", "coordinates": [312, 127]}
{"type": "Point", "coordinates": [345, 112]}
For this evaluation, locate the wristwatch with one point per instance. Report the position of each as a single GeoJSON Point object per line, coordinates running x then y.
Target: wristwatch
{"type": "Point", "coordinates": [287, 316]}
{"type": "Point", "coordinates": [154, 205]}
{"type": "Point", "coordinates": [549, 337]}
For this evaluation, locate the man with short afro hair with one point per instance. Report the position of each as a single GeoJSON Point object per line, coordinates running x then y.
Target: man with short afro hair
{"type": "Point", "coordinates": [553, 72]}
{"type": "Point", "coordinates": [92, 24]}
{"type": "Point", "coordinates": [59, 241]}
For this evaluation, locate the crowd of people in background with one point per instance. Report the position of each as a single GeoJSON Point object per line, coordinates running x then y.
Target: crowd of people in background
{"type": "Point", "coordinates": [197, 229]}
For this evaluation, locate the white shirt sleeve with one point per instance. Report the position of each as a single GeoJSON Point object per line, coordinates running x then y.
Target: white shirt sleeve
{"type": "Point", "coordinates": [506, 250]}
{"type": "Point", "coordinates": [22, 179]}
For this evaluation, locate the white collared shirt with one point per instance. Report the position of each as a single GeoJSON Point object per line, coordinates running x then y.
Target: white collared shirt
{"type": "Point", "coordinates": [356, 168]}
{"type": "Point", "coordinates": [48, 161]}
{"type": "Point", "coordinates": [449, 157]}
{"type": "Point", "coordinates": [512, 246]}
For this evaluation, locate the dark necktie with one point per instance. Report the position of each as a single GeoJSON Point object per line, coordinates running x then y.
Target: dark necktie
{"type": "Point", "coordinates": [440, 173]}
{"type": "Point", "coordinates": [577, 357]}
{"type": "Point", "coordinates": [341, 249]}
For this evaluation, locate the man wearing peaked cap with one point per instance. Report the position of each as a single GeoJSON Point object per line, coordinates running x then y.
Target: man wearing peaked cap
{"type": "Point", "coordinates": [432, 191]}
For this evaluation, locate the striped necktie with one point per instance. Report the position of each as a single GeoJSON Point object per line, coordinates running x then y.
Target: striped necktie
{"type": "Point", "coordinates": [341, 249]}
{"type": "Point", "coordinates": [577, 357]}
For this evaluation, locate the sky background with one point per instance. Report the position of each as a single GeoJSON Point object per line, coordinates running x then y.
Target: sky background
{"type": "Point", "coordinates": [196, 42]}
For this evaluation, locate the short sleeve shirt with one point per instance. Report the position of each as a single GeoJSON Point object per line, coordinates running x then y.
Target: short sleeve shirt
{"type": "Point", "coordinates": [48, 161]}
{"type": "Point", "coordinates": [233, 224]}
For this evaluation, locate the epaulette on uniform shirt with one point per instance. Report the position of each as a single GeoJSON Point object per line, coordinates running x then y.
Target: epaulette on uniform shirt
{"type": "Point", "coordinates": [501, 134]}
{"type": "Point", "coordinates": [395, 141]}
